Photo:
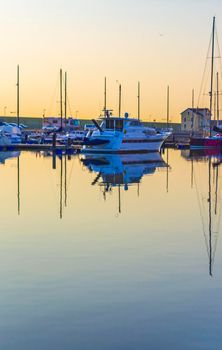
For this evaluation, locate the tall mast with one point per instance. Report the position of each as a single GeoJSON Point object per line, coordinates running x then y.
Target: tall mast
{"type": "Point", "coordinates": [218, 107]}
{"type": "Point", "coordinates": [120, 97]}
{"type": "Point", "coordinates": [212, 73]}
{"type": "Point", "coordinates": [105, 97]}
{"type": "Point", "coordinates": [168, 105]}
{"type": "Point", "coordinates": [192, 109]}
{"type": "Point", "coordinates": [61, 109]}
{"type": "Point", "coordinates": [138, 97]}
{"type": "Point", "coordinates": [65, 103]}
{"type": "Point", "coordinates": [18, 116]}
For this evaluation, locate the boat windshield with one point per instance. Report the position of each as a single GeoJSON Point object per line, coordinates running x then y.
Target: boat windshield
{"type": "Point", "coordinates": [114, 124]}
{"type": "Point", "coordinates": [110, 124]}
{"type": "Point", "coordinates": [135, 123]}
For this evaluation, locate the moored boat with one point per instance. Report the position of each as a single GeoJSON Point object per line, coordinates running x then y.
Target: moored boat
{"type": "Point", "coordinates": [123, 135]}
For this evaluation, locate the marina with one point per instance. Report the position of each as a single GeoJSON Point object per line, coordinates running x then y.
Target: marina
{"type": "Point", "coordinates": [110, 173]}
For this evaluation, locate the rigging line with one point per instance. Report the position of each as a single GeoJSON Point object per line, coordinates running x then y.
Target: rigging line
{"type": "Point", "coordinates": [219, 51]}
{"type": "Point", "coordinates": [217, 232]}
{"type": "Point", "coordinates": [201, 215]}
{"type": "Point", "coordinates": [204, 72]}
{"type": "Point", "coordinates": [70, 175]}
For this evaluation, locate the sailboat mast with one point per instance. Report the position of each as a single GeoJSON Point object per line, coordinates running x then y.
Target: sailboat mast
{"type": "Point", "coordinates": [192, 109]}
{"type": "Point", "coordinates": [61, 109]}
{"type": "Point", "coordinates": [65, 102]}
{"type": "Point", "coordinates": [168, 105]}
{"type": "Point", "coordinates": [104, 97]}
{"type": "Point", "coordinates": [138, 97]}
{"type": "Point", "coordinates": [218, 107]}
{"type": "Point", "coordinates": [18, 112]}
{"type": "Point", "coordinates": [212, 73]}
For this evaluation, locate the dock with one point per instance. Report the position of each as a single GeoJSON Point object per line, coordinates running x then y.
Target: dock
{"type": "Point", "coordinates": [42, 147]}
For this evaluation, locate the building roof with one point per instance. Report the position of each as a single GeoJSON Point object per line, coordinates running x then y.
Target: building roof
{"type": "Point", "coordinates": [198, 111]}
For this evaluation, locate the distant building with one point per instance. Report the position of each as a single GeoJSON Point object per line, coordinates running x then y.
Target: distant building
{"type": "Point", "coordinates": [69, 123]}
{"type": "Point", "coordinates": [195, 119]}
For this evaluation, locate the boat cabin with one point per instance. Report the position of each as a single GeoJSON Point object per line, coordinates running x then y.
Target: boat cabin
{"type": "Point", "coordinates": [119, 123]}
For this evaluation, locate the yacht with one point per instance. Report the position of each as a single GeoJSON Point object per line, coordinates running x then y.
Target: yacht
{"type": "Point", "coordinates": [123, 135]}
{"type": "Point", "coordinates": [4, 139]}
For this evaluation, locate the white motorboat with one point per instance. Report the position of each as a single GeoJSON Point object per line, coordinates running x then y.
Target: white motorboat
{"type": "Point", "coordinates": [123, 135]}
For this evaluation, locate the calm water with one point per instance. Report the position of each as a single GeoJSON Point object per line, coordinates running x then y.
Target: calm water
{"type": "Point", "coordinates": [110, 253]}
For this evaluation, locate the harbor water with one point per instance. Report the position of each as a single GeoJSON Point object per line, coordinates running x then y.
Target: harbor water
{"type": "Point", "coordinates": [110, 252]}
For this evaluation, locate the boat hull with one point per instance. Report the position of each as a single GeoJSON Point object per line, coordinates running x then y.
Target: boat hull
{"type": "Point", "coordinates": [207, 142]}
{"type": "Point", "coordinates": [128, 146]}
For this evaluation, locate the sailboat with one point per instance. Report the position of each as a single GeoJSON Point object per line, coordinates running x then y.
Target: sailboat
{"type": "Point", "coordinates": [210, 141]}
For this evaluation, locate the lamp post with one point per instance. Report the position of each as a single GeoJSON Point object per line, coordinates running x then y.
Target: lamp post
{"type": "Point", "coordinates": [5, 108]}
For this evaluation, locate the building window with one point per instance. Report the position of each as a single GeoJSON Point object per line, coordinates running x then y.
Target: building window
{"type": "Point", "coordinates": [185, 126]}
{"type": "Point", "coordinates": [184, 119]}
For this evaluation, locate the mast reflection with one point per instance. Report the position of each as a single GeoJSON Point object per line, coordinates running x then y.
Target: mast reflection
{"type": "Point", "coordinates": [212, 216]}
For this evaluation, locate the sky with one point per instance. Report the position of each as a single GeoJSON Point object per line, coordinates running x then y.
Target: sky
{"type": "Point", "coordinates": [156, 42]}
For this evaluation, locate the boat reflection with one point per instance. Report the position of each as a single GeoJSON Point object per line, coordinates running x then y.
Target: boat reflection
{"type": "Point", "coordinates": [4, 155]}
{"type": "Point", "coordinates": [123, 169]}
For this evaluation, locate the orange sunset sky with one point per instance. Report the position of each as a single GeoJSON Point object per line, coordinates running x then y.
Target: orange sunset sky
{"type": "Point", "coordinates": [156, 42]}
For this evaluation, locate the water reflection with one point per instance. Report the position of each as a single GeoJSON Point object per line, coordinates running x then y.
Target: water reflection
{"type": "Point", "coordinates": [122, 170]}
{"type": "Point", "coordinates": [7, 155]}
{"type": "Point", "coordinates": [209, 197]}
{"type": "Point", "coordinates": [92, 271]}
